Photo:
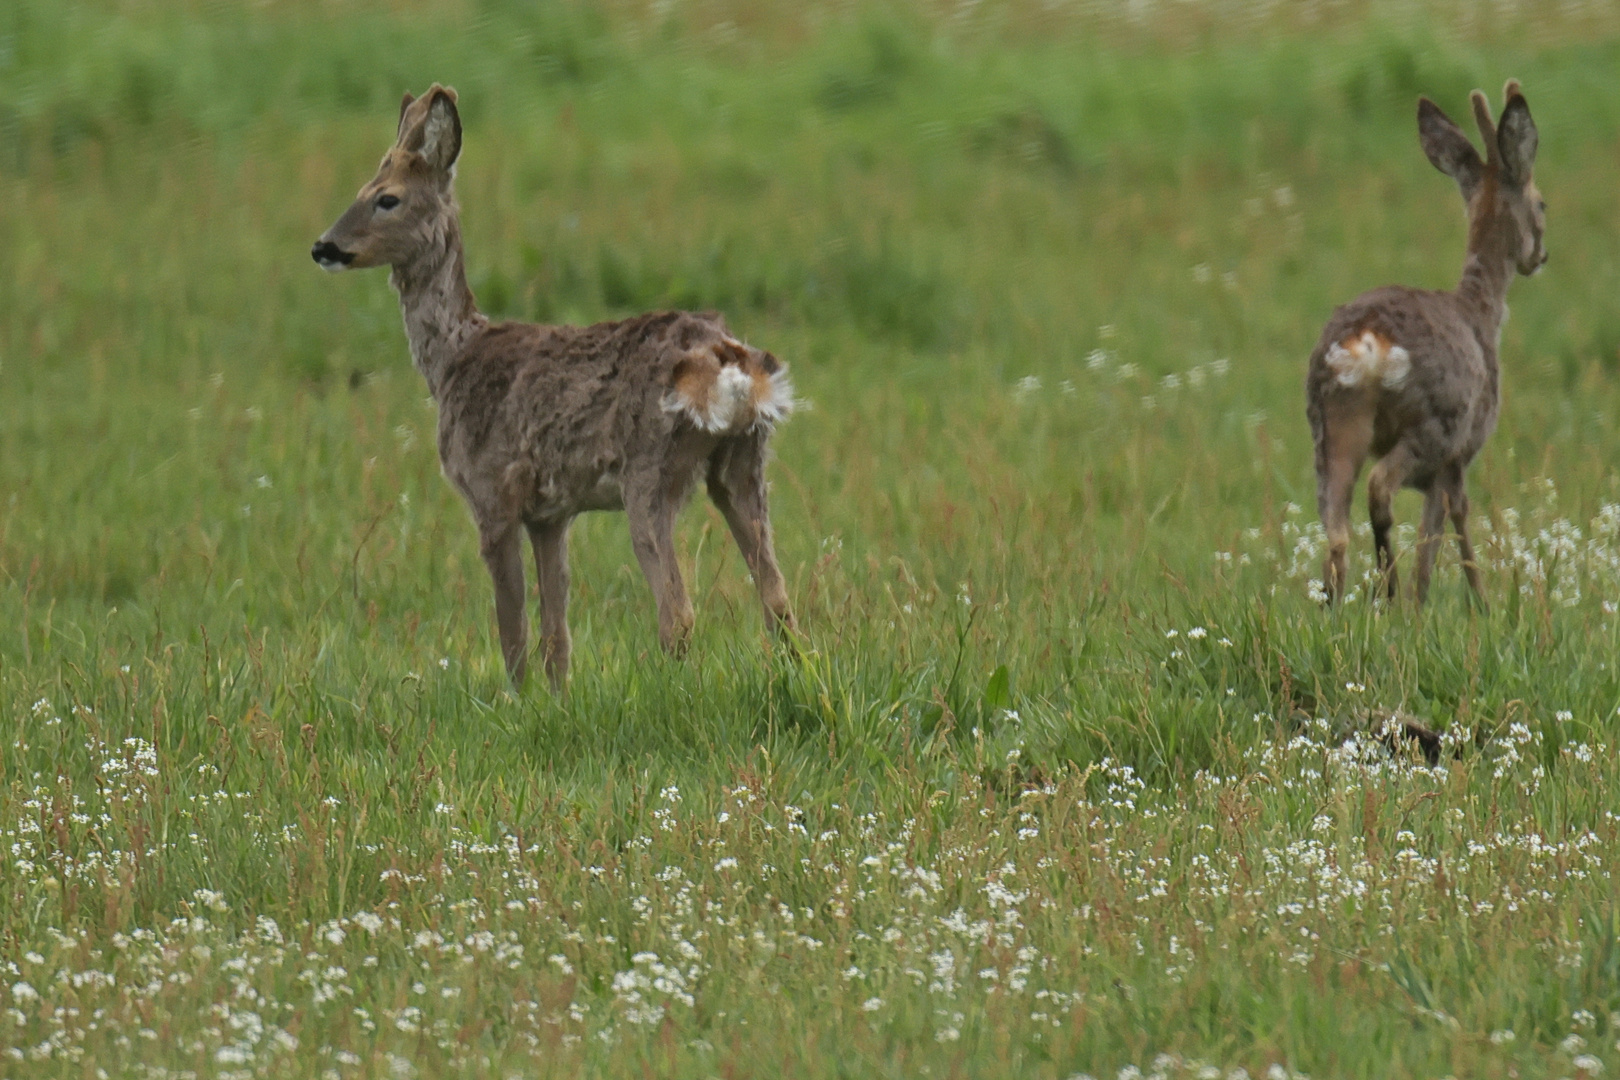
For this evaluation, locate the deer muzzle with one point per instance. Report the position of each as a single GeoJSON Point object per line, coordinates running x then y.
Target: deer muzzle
{"type": "Point", "coordinates": [330, 256]}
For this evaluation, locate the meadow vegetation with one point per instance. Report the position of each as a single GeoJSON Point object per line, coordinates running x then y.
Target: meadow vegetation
{"type": "Point", "coordinates": [1070, 776]}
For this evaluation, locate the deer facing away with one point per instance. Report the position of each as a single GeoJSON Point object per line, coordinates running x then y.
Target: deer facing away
{"type": "Point", "coordinates": [1409, 376]}
{"type": "Point", "coordinates": [540, 423]}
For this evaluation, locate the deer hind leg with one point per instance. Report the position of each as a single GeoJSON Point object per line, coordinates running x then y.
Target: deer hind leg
{"type": "Point", "coordinates": [1385, 480]}
{"type": "Point", "coordinates": [651, 508]}
{"type": "Point", "coordinates": [1457, 504]}
{"type": "Point", "coordinates": [737, 487]}
{"type": "Point", "coordinates": [502, 549]}
{"type": "Point", "coordinates": [550, 543]}
{"type": "Point", "coordinates": [1429, 533]}
{"type": "Point", "coordinates": [1341, 448]}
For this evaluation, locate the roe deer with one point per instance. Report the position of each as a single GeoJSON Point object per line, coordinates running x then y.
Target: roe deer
{"type": "Point", "coordinates": [1409, 375]}
{"type": "Point", "coordinates": [540, 423]}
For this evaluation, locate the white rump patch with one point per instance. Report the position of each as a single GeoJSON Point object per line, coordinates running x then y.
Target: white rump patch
{"type": "Point", "coordinates": [1369, 356]}
{"type": "Point", "coordinates": [779, 403]}
{"type": "Point", "coordinates": [732, 400]}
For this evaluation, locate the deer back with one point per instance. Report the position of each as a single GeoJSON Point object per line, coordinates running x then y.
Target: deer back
{"type": "Point", "coordinates": [565, 412]}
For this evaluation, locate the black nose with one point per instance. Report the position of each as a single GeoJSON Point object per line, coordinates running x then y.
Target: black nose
{"type": "Point", "coordinates": [325, 252]}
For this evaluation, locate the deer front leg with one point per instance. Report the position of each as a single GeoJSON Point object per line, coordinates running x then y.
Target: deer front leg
{"type": "Point", "coordinates": [502, 549]}
{"type": "Point", "coordinates": [550, 542]}
{"type": "Point", "coordinates": [737, 487]}
{"type": "Point", "coordinates": [1429, 532]}
{"type": "Point", "coordinates": [1457, 502]}
{"type": "Point", "coordinates": [652, 535]}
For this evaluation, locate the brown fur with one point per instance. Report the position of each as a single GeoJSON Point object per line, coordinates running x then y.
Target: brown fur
{"type": "Point", "coordinates": [540, 423]}
{"type": "Point", "coordinates": [1379, 341]}
{"type": "Point", "coordinates": [1423, 419]}
{"type": "Point", "coordinates": [703, 392]}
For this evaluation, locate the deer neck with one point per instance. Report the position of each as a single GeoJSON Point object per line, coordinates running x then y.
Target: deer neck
{"type": "Point", "coordinates": [1487, 273]}
{"type": "Point", "coordinates": [441, 315]}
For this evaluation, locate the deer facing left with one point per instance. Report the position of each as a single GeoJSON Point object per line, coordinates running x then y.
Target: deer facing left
{"type": "Point", "coordinates": [538, 424]}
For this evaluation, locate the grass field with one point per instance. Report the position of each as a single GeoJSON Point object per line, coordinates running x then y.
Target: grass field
{"type": "Point", "coordinates": [1071, 776]}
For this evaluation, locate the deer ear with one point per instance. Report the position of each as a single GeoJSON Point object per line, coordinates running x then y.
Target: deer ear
{"type": "Point", "coordinates": [403, 106]}
{"type": "Point", "coordinates": [1448, 148]}
{"type": "Point", "coordinates": [441, 131]}
{"type": "Point", "coordinates": [1487, 126]}
{"type": "Point", "coordinates": [1516, 140]}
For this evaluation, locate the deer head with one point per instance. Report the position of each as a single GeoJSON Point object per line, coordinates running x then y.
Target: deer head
{"type": "Point", "coordinates": [1506, 213]}
{"type": "Point", "coordinates": [402, 210]}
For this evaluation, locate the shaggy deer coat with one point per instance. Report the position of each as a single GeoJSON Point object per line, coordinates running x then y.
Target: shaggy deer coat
{"type": "Point", "coordinates": [1409, 376]}
{"type": "Point", "coordinates": [540, 423]}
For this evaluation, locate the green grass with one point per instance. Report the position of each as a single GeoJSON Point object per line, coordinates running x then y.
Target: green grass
{"type": "Point", "coordinates": [1060, 781]}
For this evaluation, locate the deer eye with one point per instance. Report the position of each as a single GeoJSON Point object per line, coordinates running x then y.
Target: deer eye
{"type": "Point", "coordinates": [387, 202]}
